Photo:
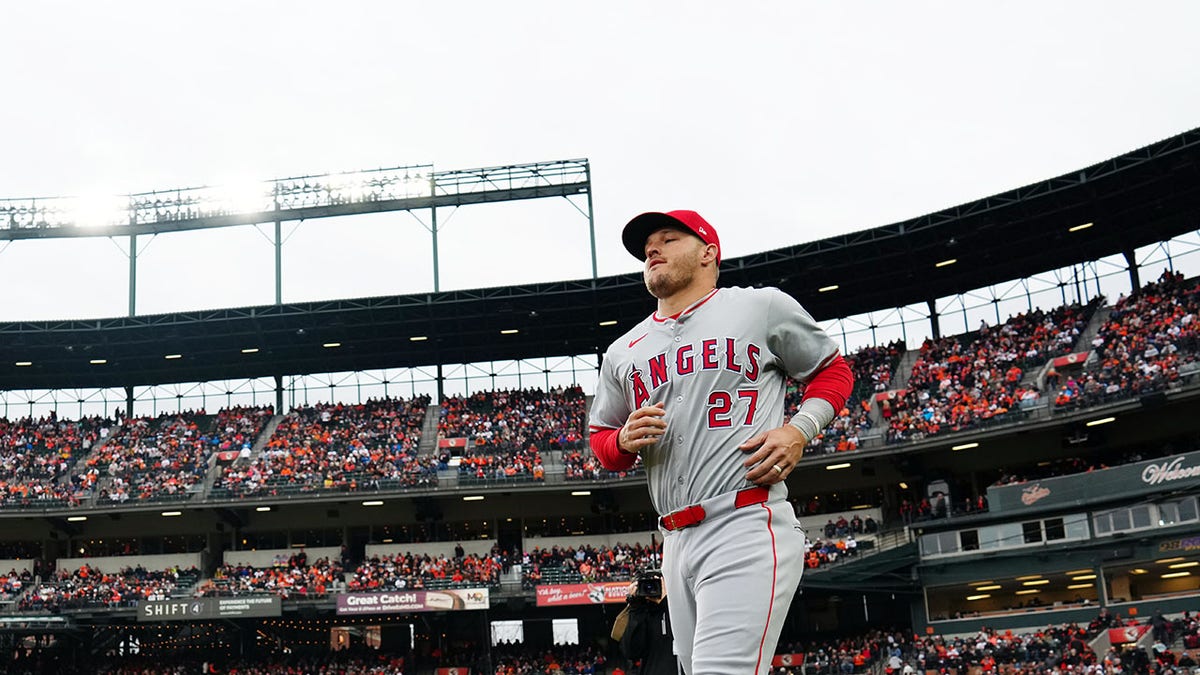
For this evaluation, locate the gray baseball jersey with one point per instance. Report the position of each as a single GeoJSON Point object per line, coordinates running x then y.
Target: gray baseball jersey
{"type": "Point", "coordinates": [719, 368]}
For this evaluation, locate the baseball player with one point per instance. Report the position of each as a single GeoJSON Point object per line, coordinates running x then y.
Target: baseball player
{"type": "Point", "coordinates": [697, 390]}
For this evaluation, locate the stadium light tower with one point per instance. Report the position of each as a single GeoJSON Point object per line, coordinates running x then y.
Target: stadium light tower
{"type": "Point", "coordinates": [405, 188]}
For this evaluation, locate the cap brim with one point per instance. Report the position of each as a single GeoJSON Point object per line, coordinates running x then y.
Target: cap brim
{"type": "Point", "coordinates": [641, 227]}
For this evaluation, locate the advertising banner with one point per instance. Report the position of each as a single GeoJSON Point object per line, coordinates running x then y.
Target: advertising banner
{"type": "Point", "coordinates": [582, 594]}
{"type": "Point", "coordinates": [209, 608]}
{"type": "Point", "coordinates": [453, 671]}
{"type": "Point", "coordinates": [1185, 545]}
{"type": "Point", "coordinates": [785, 660]}
{"type": "Point", "coordinates": [1071, 359]}
{"type": "Point", "coordinates": [404, 602]}
{"type": "Point", "coordinates": [1169, 473]}
{"type": "Point", "coordinates": [1119, 636]}
{"type": "Point", "coordinates": [452, 443]}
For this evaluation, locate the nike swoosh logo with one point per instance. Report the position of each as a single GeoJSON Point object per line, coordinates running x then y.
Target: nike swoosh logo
{"type": "Point", "coordinates": [631, 344]}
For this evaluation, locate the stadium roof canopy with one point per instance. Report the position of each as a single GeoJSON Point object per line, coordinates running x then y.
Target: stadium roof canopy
{"type": "Point", "coordinates": [1140, 198]}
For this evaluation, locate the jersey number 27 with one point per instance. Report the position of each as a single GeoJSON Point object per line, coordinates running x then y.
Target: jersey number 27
{"type": "Point", "coordinates": [720, 403]}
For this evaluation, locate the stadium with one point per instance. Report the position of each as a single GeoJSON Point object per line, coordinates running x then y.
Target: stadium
{"type": "Point", "coordinates": [403, 483]}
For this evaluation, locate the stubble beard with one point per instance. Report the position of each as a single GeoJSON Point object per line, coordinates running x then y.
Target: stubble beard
{"type": "Point", "coordinates": [668, 284]}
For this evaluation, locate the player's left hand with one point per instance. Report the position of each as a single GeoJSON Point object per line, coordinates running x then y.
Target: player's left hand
{"type": "Point", "coordinates": [781, 447]}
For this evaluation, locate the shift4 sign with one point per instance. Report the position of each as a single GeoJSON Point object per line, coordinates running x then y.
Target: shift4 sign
{"type": "Point", "coordinates": [208, 608]}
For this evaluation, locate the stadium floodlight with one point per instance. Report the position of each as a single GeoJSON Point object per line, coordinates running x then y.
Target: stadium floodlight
{"type": "Point", "coordinates": [826, 289]}
{"type": "Point", "coordinates": [76, 519]}
{"type": "Point", "coordinates": [608, 323]}
{"type": "Point", "coordinates": [1084, 577]}
{"type": "Point", "coordinates": [1080, 227]}
{"type": "Point", "coordinates": [332, 345]}
{"type": "Point", "coordinates": [373, 502]}
{"type": "Point", "coordinates": [1075, 587]}
{"type": "Point", "coordinates": [945, 263]}
{"type": "Point", "coordinates": [418, 338]}
{"type": "Point", "coordinates": [262, 509]}
{"type": "Point", "coordinates": [965, 446]}
{"type": "Point", "coordinates": [473, 498]}
{"type": "Point", "coordinates": [1028, 591]}
{"type": "Point", "coordinates": [23, 364]}
{"type": "Point", "coordinates": [172, 357]}
{"type": "Point", "coordinates": [1138, 570]}
{"type": "Point", "coordinates": [1174, 575]}
{"type": "Point", "coordinates": [581, 493]}
{"type": "Point", "coordinates": [989, 587]}
{"type": "Point", "coordinates": [1166, 561]}
{"type": "Point", "coordinates": [510, 331]}
{"type": "Point", "coordinates": [903, 485]}
{"type": "Point", "coordinates": [250, 350]}
{"type": "Point", "coordinates": [980, 596]}
{"type": "Point", "coordinates": [242, 196]}
{"type": "Point", "coordinates": [981, 583]}
{"type": "Point", "coordinates": [1102, 420]}
{"type": "Point", "coordinates": [1182, 565]}
{"type": "Point", "coordinates": [96, 210]}
{"type": "Point", "coordinates": [834, 467]}
{"type": "Point", "coordinates": [170, 514]}
{"type": "Point", "coordinates": [1035, 582]}
{"type": "Point", "coordinates": [98, 362]}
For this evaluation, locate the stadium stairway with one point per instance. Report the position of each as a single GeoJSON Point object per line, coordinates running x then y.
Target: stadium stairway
{"type": "Point", "coordinates": [1083, 344]}
{"type": "Point", "coordinates": [553, 464]}
{"type": "Point", "coordinates": [81, 465]}
{"type": "Point", "coordinates": [1099, 318]}
{"type": "Point", "coordinates": [904, 369]}
{"type": "Point", "coordinates": [429, 428]}
{"type": "Point", "coordinates": [210, 478]}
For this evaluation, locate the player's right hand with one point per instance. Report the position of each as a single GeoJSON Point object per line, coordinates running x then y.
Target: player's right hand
{"type": "Point", "coordinates": [643, 429]}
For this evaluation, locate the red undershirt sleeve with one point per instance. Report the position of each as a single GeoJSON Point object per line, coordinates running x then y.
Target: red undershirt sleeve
{"type": "Point", "coordinates": [833, 383]}
{"type": "Point", "coordinates": [604, 444]}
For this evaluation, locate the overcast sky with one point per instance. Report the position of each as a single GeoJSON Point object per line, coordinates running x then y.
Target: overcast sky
{"type": "Point", "coordinates": [780, 122]}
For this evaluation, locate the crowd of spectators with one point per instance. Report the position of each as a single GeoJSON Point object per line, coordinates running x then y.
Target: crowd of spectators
{"type": "Point", "coordinates": [407, 570]}
{"type": "Point", "coordinates": [873, 368]}
{"type": "Point", "coordinates": [88, 587]}
{"type": "Point", "coordinates": [1054, 649]}
{"type": "Point", "coordinates": [167, 457]}
{"type": "Point", "coordinates": [830, 550]}
{"type": "Point", "coordinates": [1139, 348]}
{"type": "Point", "coordinates": [503, 433]}
{"type": "Point", "coordinates": [843, 655]}
{"type": "Point", "coordinates": [294, 577]}
{"type": "Point", "coordinates": [339, 446]}
{"type": "Point", "coordinates": [14, 583]}
{"type": "Point", "coordinates": [519, 659]}
{"type": "Point", "coordinates": [587, 563]}
{"type": "Point", "coordinates": [505, 420]}
{"type": "Point", "coordinates": [38, 454]}
{"type": "Point", "coordinates": [583, 465]}
{"type": "Point", "coordinates": [330, 664]}
{"type": "Point", "coordinates": [963, 382]}
{"type": "Point", "coordinates": [514, 465]}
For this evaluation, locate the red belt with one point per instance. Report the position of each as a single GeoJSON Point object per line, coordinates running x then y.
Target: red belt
{"type": "Point", "coordinates": [694, 514]}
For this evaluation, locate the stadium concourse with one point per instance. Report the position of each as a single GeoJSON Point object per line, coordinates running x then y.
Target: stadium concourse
{"type": "Point", "coordinates": [1023, 496]}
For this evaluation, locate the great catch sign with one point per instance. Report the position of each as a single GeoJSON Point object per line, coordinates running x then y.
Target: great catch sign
{"type": "Point", "coordinates": [190, 609]}
{"type": "Point", "coordinates": [403, 602]}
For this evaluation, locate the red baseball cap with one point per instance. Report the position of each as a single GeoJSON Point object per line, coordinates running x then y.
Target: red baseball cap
{"type": "Point", "coordinates": [637, 230]}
